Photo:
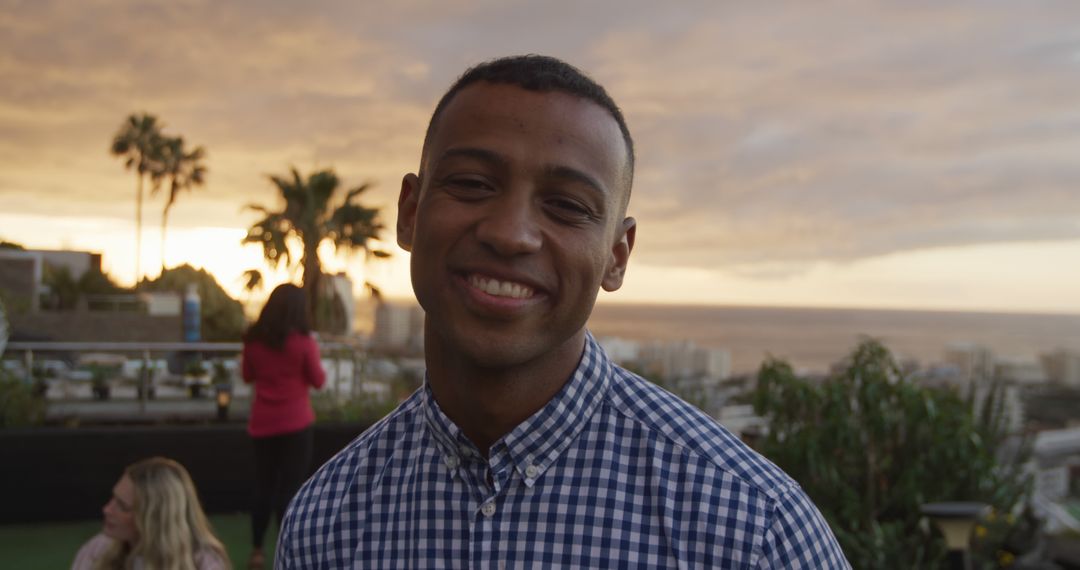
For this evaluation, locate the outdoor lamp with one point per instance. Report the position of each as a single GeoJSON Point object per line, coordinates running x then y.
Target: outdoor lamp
{"type": "Point", "coordinates": [224, 398]}
{"type": "Point", "coordinates": [955, 520]}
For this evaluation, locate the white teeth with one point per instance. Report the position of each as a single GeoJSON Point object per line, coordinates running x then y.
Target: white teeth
{"type": "Point", "coordinates": [501, 288]}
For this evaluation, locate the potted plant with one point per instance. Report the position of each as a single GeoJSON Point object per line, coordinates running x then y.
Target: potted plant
{"type": "Point", "coordinates": [99, 382]}
{"type": "Point", "coordinates": [145, 379]}
{"type": "Point", "coordinates": [196, 377]}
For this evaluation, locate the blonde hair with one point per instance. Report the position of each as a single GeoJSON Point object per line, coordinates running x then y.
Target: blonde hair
{"type": "Point", "coordinates": [169, 519]}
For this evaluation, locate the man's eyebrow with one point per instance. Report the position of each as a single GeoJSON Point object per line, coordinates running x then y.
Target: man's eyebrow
{"type": "Point", "coordinates": [473, 152]}
{"type": "Point", "coordinates": [568, 173]}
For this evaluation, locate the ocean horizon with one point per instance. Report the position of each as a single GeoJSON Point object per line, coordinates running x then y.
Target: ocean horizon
{"type": "Point", "coordinates": [813, 338]}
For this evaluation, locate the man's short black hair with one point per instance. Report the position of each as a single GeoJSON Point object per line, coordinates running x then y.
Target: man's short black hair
{"type": "Point", "coordinates": [537, 73]}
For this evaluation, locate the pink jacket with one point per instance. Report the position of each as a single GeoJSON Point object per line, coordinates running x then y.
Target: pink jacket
{"type": "Point", "coordinates": [281, 379]}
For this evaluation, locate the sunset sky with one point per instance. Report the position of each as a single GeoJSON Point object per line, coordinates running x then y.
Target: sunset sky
{"type": "Point", "coordinates": [838, 153]}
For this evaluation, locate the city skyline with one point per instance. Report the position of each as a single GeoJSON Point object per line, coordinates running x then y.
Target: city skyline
{"type": "Point", "coordinates": [841, 154]}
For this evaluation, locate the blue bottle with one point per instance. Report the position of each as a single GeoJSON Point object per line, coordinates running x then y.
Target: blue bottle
{"type": "Point", "coordinates": [192, 314]}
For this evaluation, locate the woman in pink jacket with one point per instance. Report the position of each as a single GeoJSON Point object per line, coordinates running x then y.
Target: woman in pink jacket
{"type": "Point", "coordinates": [282, 360]}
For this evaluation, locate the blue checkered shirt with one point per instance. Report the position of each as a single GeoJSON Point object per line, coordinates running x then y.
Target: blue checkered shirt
{"type": "Point", "coordinates": [613, 472]}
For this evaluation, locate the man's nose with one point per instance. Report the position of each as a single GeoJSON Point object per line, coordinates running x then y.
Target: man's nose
{"type": "Point", "coordinates": [511, 226]}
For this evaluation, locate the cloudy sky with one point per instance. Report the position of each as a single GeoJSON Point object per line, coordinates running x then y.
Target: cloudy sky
{"type": "Point", "coordinates": [838, 153]}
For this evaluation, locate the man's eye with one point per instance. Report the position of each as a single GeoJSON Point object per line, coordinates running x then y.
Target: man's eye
{"type": "Point", "coordinates": [570, 210]}
{"type": "Point", "coordinates": [469, 183]}
{"type": "Point", "coordinates": [468, 187]}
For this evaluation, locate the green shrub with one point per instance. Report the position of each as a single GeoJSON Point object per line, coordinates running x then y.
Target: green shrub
{"type": "Point", "coordinates": [870, 446]}
{"type": "Point", "coordinates": [19, 406]}
{"type": "Point", "coordinates": [361, 409]}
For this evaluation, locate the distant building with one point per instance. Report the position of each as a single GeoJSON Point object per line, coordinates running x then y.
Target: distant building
{"type": "Point", "coordinates": [741, 420]}
{"type": "Point", "coordinates": [337, 305]}
{"type": "Point", "coordinates": [22, 272]}
{"type": "Point", "coordinates": [1063, 367]}
{"type": "Point", "coordinates": [1019, 371]}
{"type": "Point", "coordinates": [682, 359]}
{"type": "Point", "coordinates": [146, 317]}
{"type": "Point", "coordinates": [973, 362]}
{"type": "Point", "coordinates": [20, 279]}
{"type": "Point", "coordinates": [620, 350]}
{"type": "Point", "coordinates": [398, 328]}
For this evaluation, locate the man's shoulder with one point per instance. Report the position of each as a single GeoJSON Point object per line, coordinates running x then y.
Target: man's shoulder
{"type": "Point", "coordinates": [363, 453]}
{"type": "Point", "coordinates": [674, 422]}
{"type": "Point", "coordinates": [797, 536]}
{"type": "Point", "coordinates": [329, 498]}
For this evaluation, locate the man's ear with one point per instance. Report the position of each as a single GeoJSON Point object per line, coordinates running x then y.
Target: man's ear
{"type": "Point", "coordinates": [620, 255]}
{"type": "Point", "coordinates": [406, 213]}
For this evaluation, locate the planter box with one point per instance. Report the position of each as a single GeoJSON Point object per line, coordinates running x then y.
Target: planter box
{"type": "Point", "coordinates": [61, 474]}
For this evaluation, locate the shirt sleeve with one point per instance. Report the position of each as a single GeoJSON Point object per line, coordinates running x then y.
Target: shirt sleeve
{"type": "Point", "coordinates": [313, 370]}
{"type": "Point", "coordinates": [208, 559]}
{"type": "Point", "coordinates": [283, 553]}
{"type": "Point", "coordinates": [799, 538]}
{"type": "Point", "coordinates": [90, 552]}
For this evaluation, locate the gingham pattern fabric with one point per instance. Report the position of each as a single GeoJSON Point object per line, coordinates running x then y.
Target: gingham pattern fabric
{"type": "Point", "coordinates": [612, 473]}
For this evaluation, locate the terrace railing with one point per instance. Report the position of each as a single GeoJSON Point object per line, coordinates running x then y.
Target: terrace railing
{"type": "Point", "coordinates": [343, 362]}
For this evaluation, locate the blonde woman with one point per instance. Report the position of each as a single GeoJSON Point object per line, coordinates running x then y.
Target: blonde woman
{"type": "Point", "coordinates": [153, 522]}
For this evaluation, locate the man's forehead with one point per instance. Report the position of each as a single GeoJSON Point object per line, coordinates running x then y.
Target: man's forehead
{"type": "Point", "coordinates": [485, 101]}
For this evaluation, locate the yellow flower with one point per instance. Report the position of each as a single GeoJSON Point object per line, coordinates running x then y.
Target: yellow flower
{"type": "Point", "coordinates": [980, 531]}
{"type": "Point", "coordinates": [1005, 558]}
{"type": "Point", "coordinates": [1010, 519]}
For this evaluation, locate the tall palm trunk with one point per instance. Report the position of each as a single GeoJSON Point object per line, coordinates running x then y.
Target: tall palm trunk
{"type": "Point", "coordinates": [312, 280]}
{"type": "Point", "coordinates": [164, 226]}
{"type": "Point", "coordinates": [138, 222]}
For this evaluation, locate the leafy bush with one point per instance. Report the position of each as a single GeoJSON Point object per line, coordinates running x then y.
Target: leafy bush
{"type": "Point", "coordinates": [19, 406]}
{"type": "Point", "coordinates": [222, 316]}
{"type": "Point", "coordinates": [361, 409]}
{"type": "Point", "coordinates": [870, 447]}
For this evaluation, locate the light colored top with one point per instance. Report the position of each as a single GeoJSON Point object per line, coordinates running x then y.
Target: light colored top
{"type": "Point", "coordinates": [613, 472]}
{"type": "Point", "coordinates": [282, 378]}
{"type": "Point", "coordinates": [205, 559]}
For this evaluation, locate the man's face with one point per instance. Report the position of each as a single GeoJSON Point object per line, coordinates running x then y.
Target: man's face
{"type": "Point", "coordinates": [515, 222]}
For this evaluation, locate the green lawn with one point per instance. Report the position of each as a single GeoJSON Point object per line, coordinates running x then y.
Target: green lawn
{"type": "Point", "coordinates": [54, 545]}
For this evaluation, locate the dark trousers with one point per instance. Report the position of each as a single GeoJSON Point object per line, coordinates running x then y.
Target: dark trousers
{"type": "Point", "coordinates": [282, 463]}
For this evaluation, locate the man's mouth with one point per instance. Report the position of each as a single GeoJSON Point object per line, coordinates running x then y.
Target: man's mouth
{"type": "Point", "coordinates": [497, 288]}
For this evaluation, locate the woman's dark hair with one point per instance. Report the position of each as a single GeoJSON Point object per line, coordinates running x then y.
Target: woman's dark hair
{"type": "Point", "coordinates": [285, 312]}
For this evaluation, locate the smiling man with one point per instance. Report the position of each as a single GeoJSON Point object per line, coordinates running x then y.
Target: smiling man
{"type": "Point", "coordinates": [526, 447]}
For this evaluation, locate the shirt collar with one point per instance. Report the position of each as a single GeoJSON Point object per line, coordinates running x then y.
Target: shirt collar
{"type": "Point", "coordinates": [537, 442]}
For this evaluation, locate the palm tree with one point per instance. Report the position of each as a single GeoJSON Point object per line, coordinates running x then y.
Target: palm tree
{"type": "Point", "coordinates": [184, 170]}
{"type": "Point", "coordinates": [139, 141]}
{"type": "Point", "coordinates": [310, 216]}
{"type": "Point", "coordinates": [253, 280]}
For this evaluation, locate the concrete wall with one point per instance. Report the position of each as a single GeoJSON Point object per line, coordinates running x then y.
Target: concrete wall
{"type": "Point", "coordinates": [20, 273]}
{"type": "Point", "coordinates": [60, 474]}
{"type": "Point", "coordinates": [92, 326]}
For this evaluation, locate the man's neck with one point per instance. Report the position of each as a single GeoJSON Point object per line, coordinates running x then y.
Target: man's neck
{"type": "Point", "coordinates": [487, 403]}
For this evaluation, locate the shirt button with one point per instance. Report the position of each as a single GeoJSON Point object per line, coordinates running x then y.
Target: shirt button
{"type": "Point", "coordinates": [488, 509]}
{"type": "Point", "coordinates": [452, 461]}
{"type": "Point", "coordinates": [465, 451]}
{"type": "Point", "coordinates": [532, 471]}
